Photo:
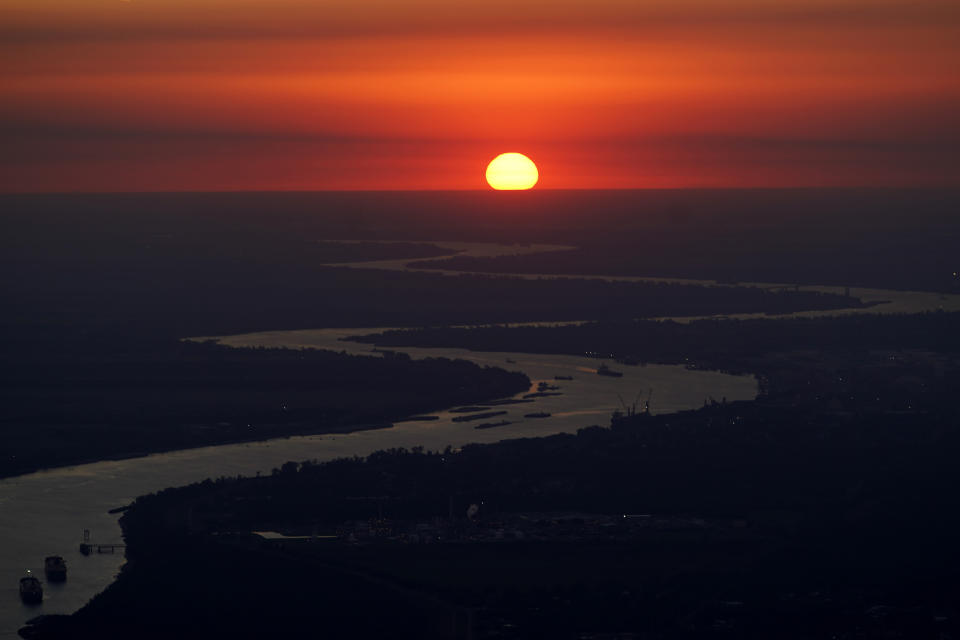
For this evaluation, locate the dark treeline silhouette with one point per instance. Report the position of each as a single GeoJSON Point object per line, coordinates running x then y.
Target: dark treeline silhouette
{"type": "Point", "coordinates": [104, 398]}
{"type": "Point", "coordinates": [807, 520]}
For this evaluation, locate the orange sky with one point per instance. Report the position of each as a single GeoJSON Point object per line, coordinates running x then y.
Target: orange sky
{"type": "Point", "coordinates": [113, 95]}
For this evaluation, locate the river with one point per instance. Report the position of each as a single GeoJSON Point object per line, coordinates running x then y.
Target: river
{"type": "Point", "coordinates": [46, 512]}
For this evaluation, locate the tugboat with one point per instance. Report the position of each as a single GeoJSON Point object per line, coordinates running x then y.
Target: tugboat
{"type": "Point", "coordinates": [604, 370]}
{"type": "Point", "coordinates": [31, 591]}
{"type": "Point", "coordinates": [56, 568]}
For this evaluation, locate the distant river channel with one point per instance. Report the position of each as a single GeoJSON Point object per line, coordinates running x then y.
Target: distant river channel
{"type": "Point", "coordinates": [45, 513]}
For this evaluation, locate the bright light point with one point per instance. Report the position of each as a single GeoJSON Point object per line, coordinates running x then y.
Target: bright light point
{"type": "Point", "coordinates": [512, 172]}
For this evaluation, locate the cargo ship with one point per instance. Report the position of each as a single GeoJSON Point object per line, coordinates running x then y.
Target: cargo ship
{"type": "Point", "coordinates": [31, 591]}
{"type": "Point", "coordinates": [56, 568]}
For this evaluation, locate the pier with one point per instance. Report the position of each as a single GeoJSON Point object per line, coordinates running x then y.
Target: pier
{"type": "Point", "coordinates": [87, 547]}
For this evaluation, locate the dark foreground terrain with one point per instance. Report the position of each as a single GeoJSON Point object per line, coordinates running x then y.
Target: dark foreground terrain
{"type": "Point", "coordinates": [825, 509]}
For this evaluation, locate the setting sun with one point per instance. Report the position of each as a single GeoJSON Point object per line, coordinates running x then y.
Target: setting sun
{"type": "Point", "coordinates": [512, 172]}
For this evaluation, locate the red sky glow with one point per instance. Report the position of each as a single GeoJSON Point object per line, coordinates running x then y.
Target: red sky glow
{"type": "Point", "coordinates": [152, 95]}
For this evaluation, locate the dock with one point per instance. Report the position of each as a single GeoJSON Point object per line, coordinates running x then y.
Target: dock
{"type": "Point", "coordinates": [86, 548]}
